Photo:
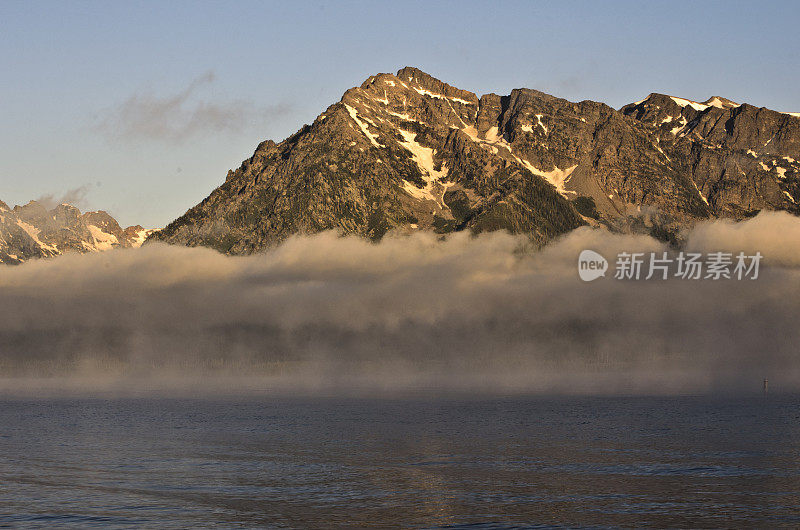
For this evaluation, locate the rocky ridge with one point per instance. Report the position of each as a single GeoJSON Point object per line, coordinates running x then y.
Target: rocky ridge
{"type": "Point", "coordinates": [409, 152]}
{"type": "Point", "coordinates": [742, 158]}
{"type": "Point", "coordinates": [34, 231]}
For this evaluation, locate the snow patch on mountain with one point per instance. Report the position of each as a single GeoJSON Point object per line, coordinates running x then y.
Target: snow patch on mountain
{"type": "Point", "coordinates": [722, 103]}
{"type": "Point", "coordinates": [681, 124]}
{"type": "Point", "coordinates": [557, 177]}
{"type": "Point", "coordinates": [102, 240]}
{"type": "Point", "coordinates": [684, 102]}
{"type": "Point", "coordinates": [373, 138]}
{"type": "Point", "coordinates": [141, 235]}
{"type": "Point", "coordinates": [34, 232]}
{"type": "Point", "coordinates": [435, 185]}
{"type": "Point", "coordinates": [539, 121]}
{"type": "Point", "coordinates": [428, 93]}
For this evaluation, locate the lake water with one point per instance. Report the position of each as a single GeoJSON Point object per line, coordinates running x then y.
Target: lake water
{"type": "Point", "coordinates": [444, 462]}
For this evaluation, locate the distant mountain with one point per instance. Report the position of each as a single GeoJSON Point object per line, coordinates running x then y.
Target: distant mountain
{"type": "Point", "coordinates": [32, 231]}
{"type": "Point", "coordinates": [408, 152]}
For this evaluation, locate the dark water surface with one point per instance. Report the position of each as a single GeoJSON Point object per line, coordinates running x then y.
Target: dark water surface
{"type": "Point", "coordinates": [478, 463]}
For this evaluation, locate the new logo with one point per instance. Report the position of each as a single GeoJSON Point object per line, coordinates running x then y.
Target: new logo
{"type": "Point", "coordinates": [591, 265]}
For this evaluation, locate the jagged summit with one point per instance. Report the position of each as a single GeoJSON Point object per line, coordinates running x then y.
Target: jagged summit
{"type": "Point", "coordinates": [664, 99]}
{"type": "Point", "coordinates": [407, 152]}
{"type": "Point", "coordinates": [422, 82]}
{"type": "Point", "coordinates": [34, 231]}
{"type": "Point", "coordinates": [720, 102]}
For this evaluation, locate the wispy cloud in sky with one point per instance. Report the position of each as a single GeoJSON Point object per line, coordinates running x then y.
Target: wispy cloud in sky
{"type": "Point", "coordinates": [177, 117]}
{"type": "Point", "coordinates": [75, 196]}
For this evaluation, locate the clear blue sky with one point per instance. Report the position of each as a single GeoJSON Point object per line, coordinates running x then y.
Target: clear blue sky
{"type": "Point", "coordinates": [144, 106]}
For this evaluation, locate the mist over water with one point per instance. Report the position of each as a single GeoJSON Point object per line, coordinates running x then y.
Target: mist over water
{"type": "Point", "coordinates": [333, 315]}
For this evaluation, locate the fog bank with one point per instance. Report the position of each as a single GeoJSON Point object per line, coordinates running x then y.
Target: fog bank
{"type": "Point", "coordinates": [411, 314]}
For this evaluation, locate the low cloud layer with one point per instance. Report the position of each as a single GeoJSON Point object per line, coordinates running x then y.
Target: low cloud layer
{"type": "Point", "coordinates": [177, 117]}
{"type": "Point", "coordinates": [328, 314]}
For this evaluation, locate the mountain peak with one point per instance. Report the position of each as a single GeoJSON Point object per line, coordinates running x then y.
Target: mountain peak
{"type": "Point", "coordinates": [410, 152]}
{"type": "Point", "coordinates": [417, 79]}
{"type": "Point", "coordinates": [658, 99]}
{"type": "Point", "coordinates": [721, 102]}
{"type": "Point", "coordinates": [412, 74]}
{"type": "Point", "coordinates": [32, 231]}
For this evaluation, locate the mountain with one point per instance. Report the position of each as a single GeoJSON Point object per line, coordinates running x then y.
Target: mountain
{"type": "Point", "coordinates": [33, 231]}
{"type": "Point", "coordinates": [409, 152]}
{"type": "Point", "coordinates": [742, 158]}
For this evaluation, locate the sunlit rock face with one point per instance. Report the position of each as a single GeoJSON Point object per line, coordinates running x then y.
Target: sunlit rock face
{"type": "Point", "coordinates": [409, 152]}
{"type": "Point", "coordinates": [34, 231]}
{"type": "Point", "coordinates": [741, 158]}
